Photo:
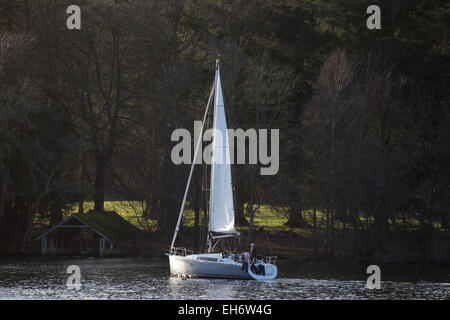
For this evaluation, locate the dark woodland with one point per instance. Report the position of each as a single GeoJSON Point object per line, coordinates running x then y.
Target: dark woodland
{"type": "Point", "coordinates": [364, 115]}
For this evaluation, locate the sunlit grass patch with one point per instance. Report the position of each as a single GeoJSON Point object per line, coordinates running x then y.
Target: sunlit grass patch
{"type": "Point", "coordinates": [269, 218]}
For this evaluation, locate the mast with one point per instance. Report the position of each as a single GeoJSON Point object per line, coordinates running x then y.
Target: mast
{"type": "Point", "coordinates": [211, 183]}
{"type": "Point", "coordinates": [177, 228]}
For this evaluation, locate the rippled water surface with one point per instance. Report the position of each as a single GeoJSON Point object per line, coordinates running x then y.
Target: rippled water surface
{"type": "Point", "coordinates": [150, 279]}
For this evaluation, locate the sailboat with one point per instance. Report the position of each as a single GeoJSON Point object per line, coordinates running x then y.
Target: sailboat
{"type": "Point", "coordinates": [211, 264]}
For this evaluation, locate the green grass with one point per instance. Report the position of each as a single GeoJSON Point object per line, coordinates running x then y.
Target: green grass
{"type": "Point", "coordinates": [266, 217]}
{"type": "Point", "coordinates": [132, 211]}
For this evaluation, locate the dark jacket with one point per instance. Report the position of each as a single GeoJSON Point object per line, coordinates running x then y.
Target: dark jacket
{"type": "Point", "coordinates": [253, 254]}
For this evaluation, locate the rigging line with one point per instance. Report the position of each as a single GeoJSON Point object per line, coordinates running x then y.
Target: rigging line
{"type": "Point", "coordinates": [205, 189]}
{"type": "Point", "coordinates": [201, 212]}
{"type": "Point", "coordinates": [203, 205]}
{"type": "Point", "coordinates": [177, 228]}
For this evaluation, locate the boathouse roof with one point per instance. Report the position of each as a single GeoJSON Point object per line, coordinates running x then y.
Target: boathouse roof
{"type": "Point", "coordinates": [108, 224]}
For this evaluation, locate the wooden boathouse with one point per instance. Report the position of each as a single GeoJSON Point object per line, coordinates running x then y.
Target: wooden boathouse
{"type": "Point", "coordinates": [99, 234]}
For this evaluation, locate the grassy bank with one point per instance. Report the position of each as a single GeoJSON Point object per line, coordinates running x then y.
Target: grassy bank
{"type": "Point", "coordinates": [273, 236]}
{"type": "Point", "coordinates": [266, 217]}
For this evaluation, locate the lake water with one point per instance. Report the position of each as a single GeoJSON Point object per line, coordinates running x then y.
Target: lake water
{"type": "Point", "coordinates": [150, 279]}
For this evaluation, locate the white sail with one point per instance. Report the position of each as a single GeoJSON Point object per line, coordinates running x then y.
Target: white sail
{"type": "Point", "coordinates": [221, 195]}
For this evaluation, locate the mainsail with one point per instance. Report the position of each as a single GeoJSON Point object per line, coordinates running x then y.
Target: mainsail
{"type": "Point", "coordinates": [221, 219]}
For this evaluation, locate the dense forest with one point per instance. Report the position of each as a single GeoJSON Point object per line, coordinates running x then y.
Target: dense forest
{"type": "Point", "coordinates": [364, 117]}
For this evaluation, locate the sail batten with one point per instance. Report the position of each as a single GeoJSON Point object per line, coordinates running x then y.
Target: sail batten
{"type": "Point", "coordinates": [221, 195]}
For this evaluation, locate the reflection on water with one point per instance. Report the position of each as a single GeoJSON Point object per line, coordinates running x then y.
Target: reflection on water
{"type": "Point", "coordinates": [150, 279]}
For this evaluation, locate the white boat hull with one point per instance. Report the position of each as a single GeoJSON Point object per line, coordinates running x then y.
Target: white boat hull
{"type": "Point", "coordinates": [204, 266]}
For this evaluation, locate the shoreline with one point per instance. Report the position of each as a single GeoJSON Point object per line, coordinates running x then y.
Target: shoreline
{"type": "Point", "coordinates": [161, 255]}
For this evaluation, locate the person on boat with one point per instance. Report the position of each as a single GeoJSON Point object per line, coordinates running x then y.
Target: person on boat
{"type": "Point", "coordinates": [252, 253]}
{"type": "Point", "coordinates": [254, 268]}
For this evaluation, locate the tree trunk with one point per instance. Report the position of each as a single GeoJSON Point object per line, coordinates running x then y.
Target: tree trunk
{"type": "Point", "coordinates": [251, 210]}
{"type": "Point", "coordinates": [30, 219]}
{"type": "Point", "coordinates": [296, 219]}
{"type": "Point", "coordinates": [332, 220]}
{"type": "Point", "coordinates": [99, 185]}
{"type": "Point", "coordinates": [444, 221]}
{"type": "Point", "coordinates": [315, 228]}
{"type": "Point", "coordinates": [56, 213]}
{"type": "Point", "coordinates": [354, 214]}
{"type": "Point", "coordinates": [81, 189]}
{"type": "Point", "coordinates": [4, 184]}
{"type": "Point", "coordinates": [251, 213]}
{"type": "Point", "coordinates": [240, 205]}
{"type": "Point", "coordinates": [327, 239]}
